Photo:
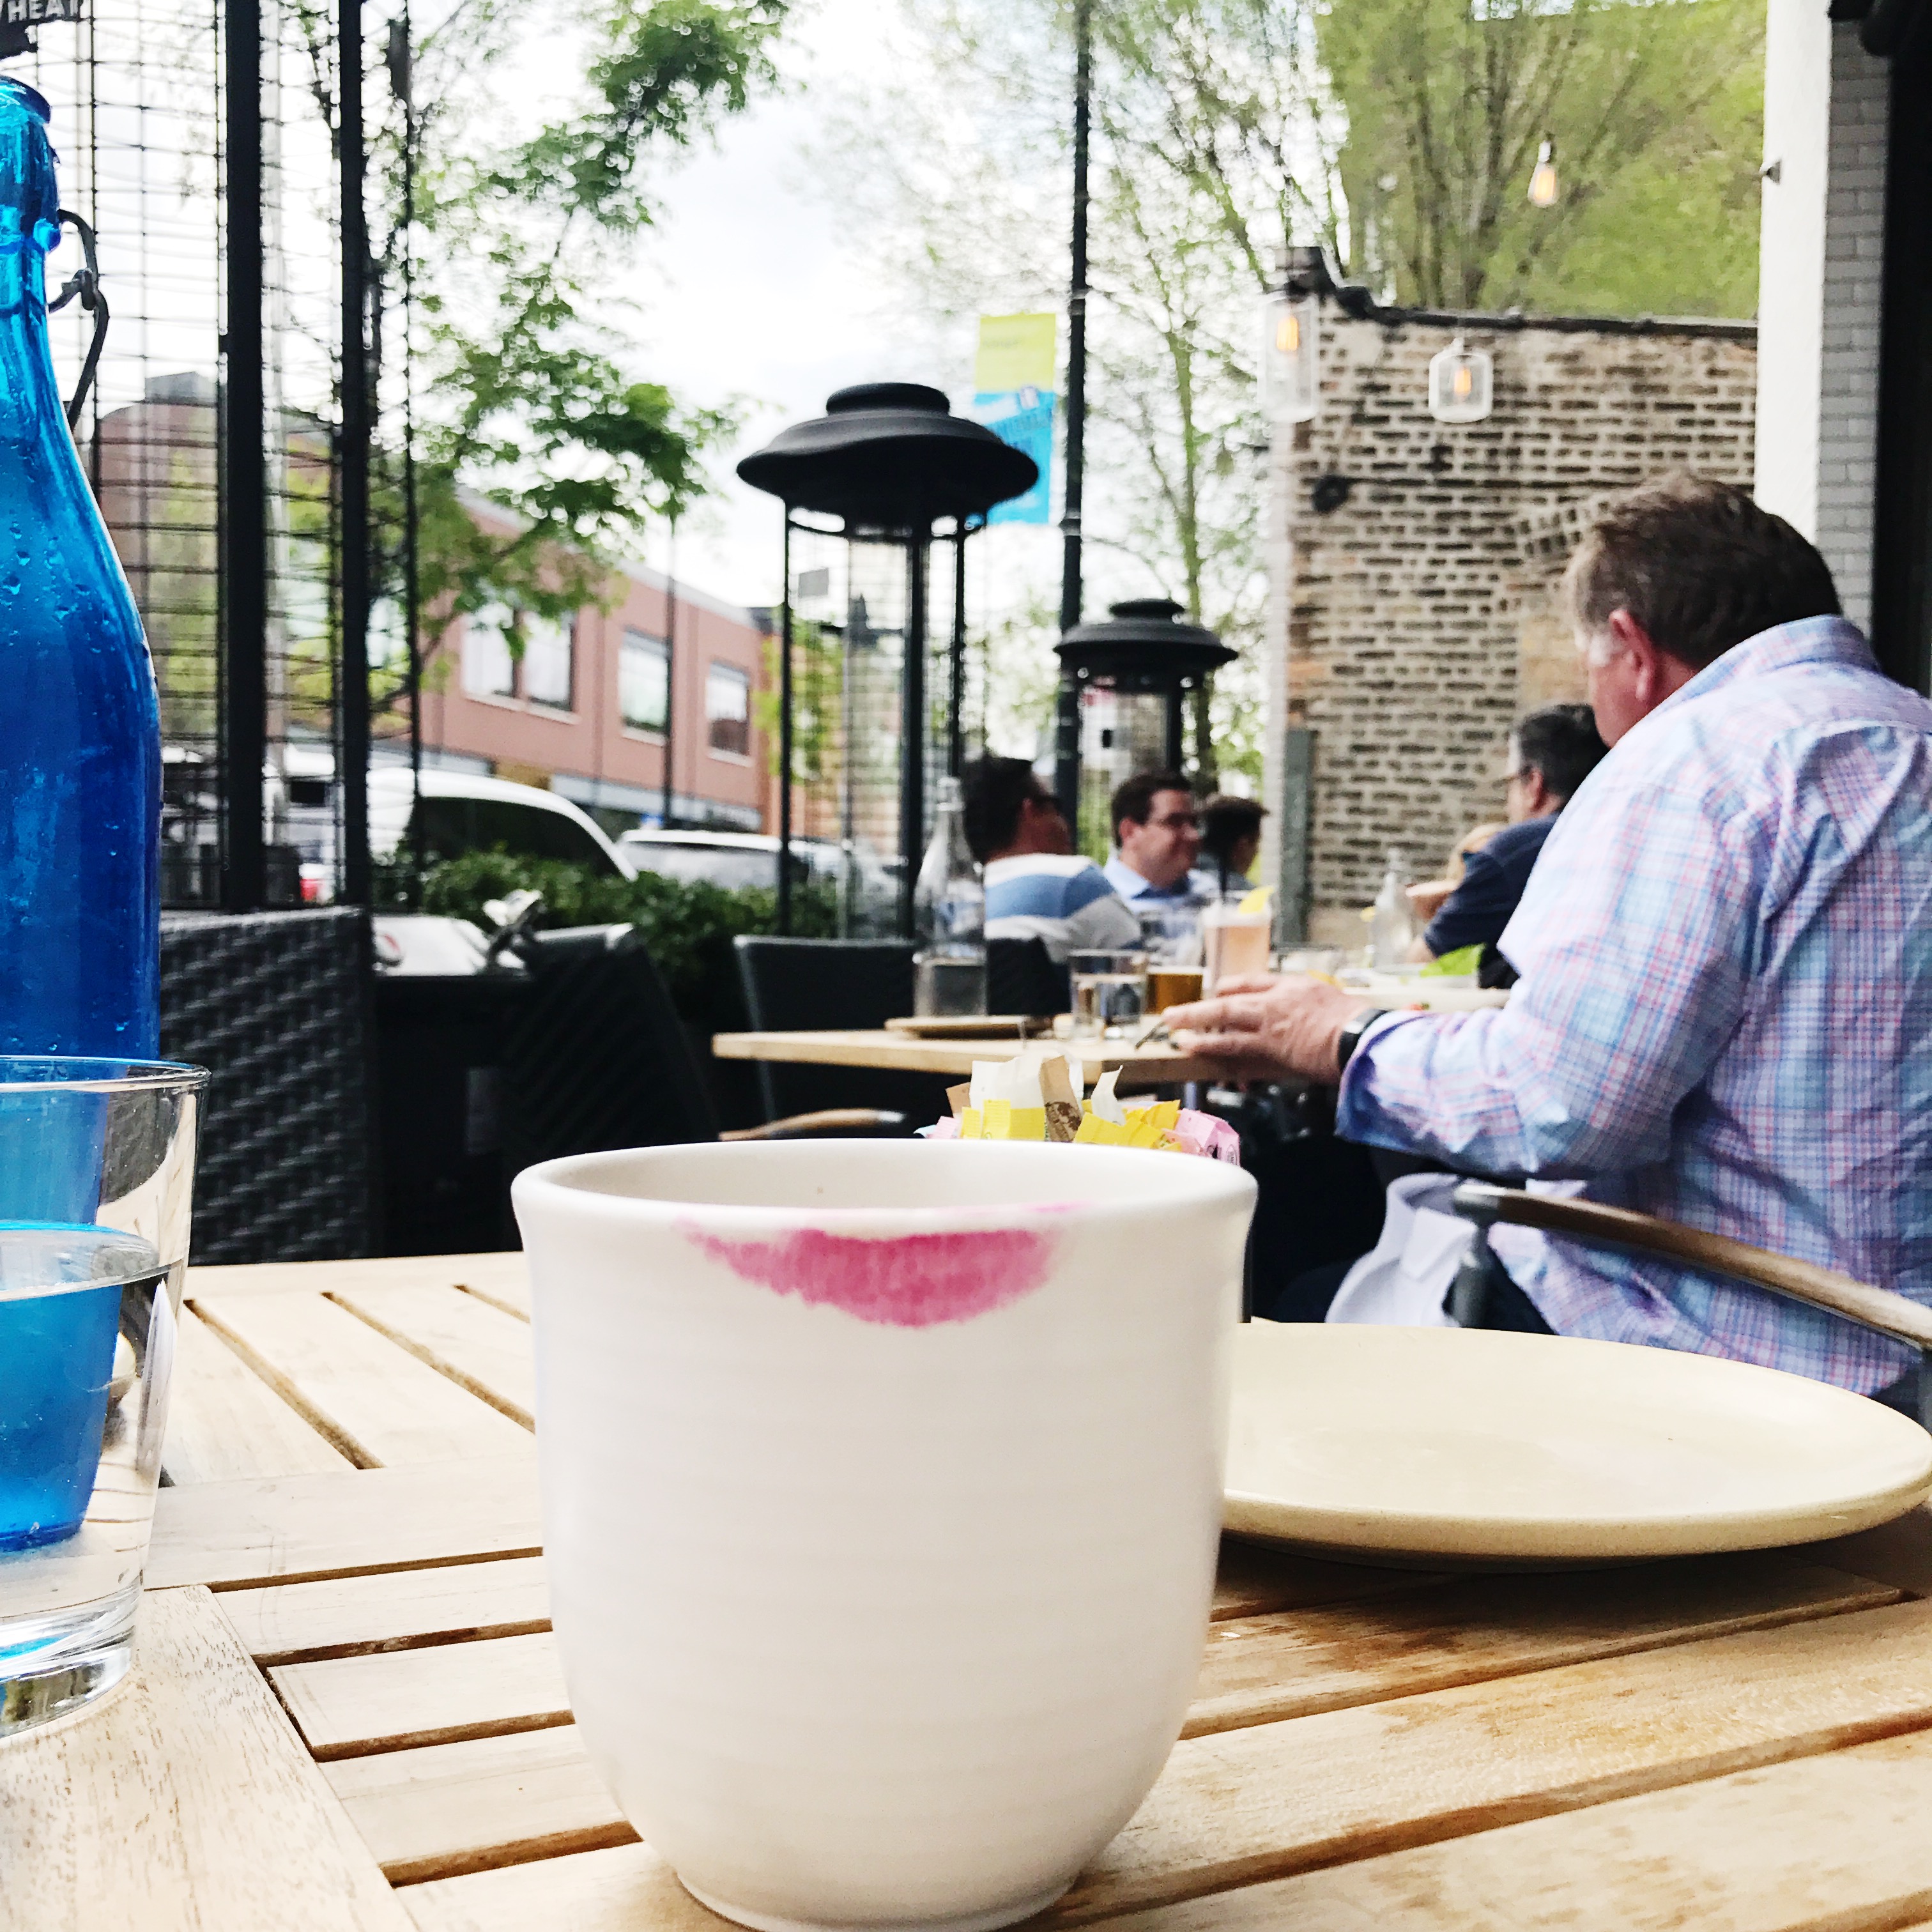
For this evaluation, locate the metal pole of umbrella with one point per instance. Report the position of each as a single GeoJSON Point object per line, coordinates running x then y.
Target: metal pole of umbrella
{"type": "Point", "coordinates": [353, 734]}
{"type": "Point", "coordinates": [1067, 713]}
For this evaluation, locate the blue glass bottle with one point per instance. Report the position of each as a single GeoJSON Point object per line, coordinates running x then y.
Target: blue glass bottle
{"type": "Point", "coordinates": [80, 742]}
{"type": "Point", "coordinates": [80, 797]}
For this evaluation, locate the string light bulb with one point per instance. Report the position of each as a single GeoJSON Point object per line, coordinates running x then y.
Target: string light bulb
{"type": "Point", "coordinates": [1542, 177]}
{"type": "Point", "coordinates": [1291, 364]}
{"type": "Point", "coordinates": [1462, 384]}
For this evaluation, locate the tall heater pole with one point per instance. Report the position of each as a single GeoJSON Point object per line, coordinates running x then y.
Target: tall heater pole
{"type": "Point", "coordinates": [784, 738]}
{"type": "Point", "coordinates": [1067, 716]}
{"type": "Point", "coordinates": [357, 882]}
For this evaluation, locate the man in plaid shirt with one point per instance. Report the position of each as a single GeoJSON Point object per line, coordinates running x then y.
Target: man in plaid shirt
{"type": "Point", "coordinates": [1725, 1011]}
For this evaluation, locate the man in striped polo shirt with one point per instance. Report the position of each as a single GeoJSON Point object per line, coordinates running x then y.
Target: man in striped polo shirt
{"type": "Point", "coordinates": [1037, 888]}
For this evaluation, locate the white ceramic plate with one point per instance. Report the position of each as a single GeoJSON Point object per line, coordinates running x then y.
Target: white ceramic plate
{"type": "Point", "coordinates": [1403, 1444]}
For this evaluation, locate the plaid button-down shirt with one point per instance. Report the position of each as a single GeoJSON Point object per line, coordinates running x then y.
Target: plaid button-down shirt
{"type": "Point", "coordinates": [1725, 1013]}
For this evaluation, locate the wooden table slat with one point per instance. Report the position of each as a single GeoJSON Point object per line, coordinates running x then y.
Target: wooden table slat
{"type": "Point", "coordinates": [224, 1421]}
{"type": "Point", "coordinates": [1822, 1844]}
{"type": "Point", "coordinates": [392, 1610]}
{"type": "Point", "coordinates": [292, 1528]}
{"type": "Point", "coordinates": [1260, 1669]}
{"type": "Point", "coordinates": [1261, 1803]}
{"type": "Point", "coordinates": [629, 1889]}
{"type": "Point", "coordinates": [389, 1700]}
{"type": "Point", "coordinates": [379, 1404]}
{"type": "Point", "coordinates": [479, 1346]}
{"type": "Point", "coordinates": [184, 1803]}
{"type": "Point", "coordinates": [445, 1809]}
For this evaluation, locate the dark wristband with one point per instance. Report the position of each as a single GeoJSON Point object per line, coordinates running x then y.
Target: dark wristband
{"type": "Point", "coordinates": [1351, 1037]}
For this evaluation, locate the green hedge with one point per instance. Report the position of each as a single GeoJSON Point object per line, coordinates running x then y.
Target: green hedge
{"type": "Point", "coordinates": [688, 926]}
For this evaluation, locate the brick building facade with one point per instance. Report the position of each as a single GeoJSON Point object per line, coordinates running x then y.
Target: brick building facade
{"type": "Point", "coordinates": [1413, 568]}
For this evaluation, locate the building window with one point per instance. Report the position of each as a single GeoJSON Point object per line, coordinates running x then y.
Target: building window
{"type": "Point", "coordinates": [727, 710]}
{"type": "Point", "coordinates": [644, 681]}
{"type": "Point", "coordinates": [489, 670]}
{"type": "Point", "coordinates": [547, 655]}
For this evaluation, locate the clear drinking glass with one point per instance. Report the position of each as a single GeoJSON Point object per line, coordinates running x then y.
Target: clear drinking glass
{"type": "Point", "coordinates": [1233, 942]}
{"type": "Point", "coordinates": [1110, 991]}
{"type": "Point", "coordinates": [97, 1170]}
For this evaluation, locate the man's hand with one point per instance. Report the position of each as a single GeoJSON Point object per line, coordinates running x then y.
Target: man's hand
{"type": "Point", "coordinates": [1260, 1028]}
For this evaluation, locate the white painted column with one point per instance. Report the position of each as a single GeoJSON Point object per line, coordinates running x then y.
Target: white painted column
{"type": "Point", "coordinates": [1821, 236]}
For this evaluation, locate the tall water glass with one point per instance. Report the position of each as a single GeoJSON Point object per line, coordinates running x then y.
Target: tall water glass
{"type": "Point", "coordinates": [97, 1170]}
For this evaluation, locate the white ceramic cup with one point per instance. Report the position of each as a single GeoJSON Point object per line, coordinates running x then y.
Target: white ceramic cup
{"type": "Point", "coordinates": [882, 1485]}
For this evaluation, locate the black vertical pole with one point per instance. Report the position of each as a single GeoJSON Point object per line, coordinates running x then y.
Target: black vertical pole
{"type": "Point", "coordinates": [412, 521]}
{"type": "Point", "coordinates": [354, 735]}
{"type": "Point", "coordinates": [784, 738]}
{"type": "Point", "coordinates": [1067, 713]}
{"type": "Point", "coordinates": [671, 668]}
{"type": "Point", "coordinates": [1174, 756]}
{"type": "Point", "coordinates": [245, 643]}
{"type": "Point", "coordinates": [912, 727]}
{"type": "Point", "coordinates": [955, 730]}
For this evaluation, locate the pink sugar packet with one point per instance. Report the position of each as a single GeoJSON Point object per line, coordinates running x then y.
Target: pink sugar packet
{"type": "Point", "coordinates": [1209, 1134]}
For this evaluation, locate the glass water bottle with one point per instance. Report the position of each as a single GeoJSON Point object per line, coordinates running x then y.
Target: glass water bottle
{"type": "Point", "coordinates": [950, 913]}
{"type": "Point", "coordinates": [80, 748]}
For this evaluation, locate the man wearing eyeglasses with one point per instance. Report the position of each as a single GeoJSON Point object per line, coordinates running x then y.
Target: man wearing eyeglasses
{"type": "Point", "coordinates": [1156, 840]}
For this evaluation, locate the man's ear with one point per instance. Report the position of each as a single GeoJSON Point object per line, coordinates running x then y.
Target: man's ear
{"type": "Point", "coordinates": [1647, 666]}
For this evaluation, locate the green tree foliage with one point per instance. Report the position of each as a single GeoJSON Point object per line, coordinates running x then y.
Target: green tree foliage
{"type": "Point", "coordinates": [526, 390]}
{"type": "Point", "coordinates": [1655, 112]}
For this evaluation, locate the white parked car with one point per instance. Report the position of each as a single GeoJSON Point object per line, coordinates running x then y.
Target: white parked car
{"type": "Point", "coordinates": [736, 859]}
{"type": "Point", "coordinates": [460, 811]}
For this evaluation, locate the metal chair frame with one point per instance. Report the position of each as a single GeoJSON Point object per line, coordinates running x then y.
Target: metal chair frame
{"type": "Point", "coordinates": [1878, 1308]}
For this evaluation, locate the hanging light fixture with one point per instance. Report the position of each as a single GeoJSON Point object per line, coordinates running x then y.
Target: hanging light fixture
{"type": "Point", "coordinates": [1291, 366]}
{"type": "Point", "coordinates": [1462, 384]}
{"type": "Point", "coordinates": [1542, 177]}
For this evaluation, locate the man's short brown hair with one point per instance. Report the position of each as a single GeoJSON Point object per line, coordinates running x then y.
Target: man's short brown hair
{"type": "Point", "coordinates": [1699, 565]}
{"type": "Point", "coordinates": [1134, 799]}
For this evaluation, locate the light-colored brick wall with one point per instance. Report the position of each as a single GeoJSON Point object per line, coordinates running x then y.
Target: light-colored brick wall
{"type": "Point", "coordinates": [1848, 371]}
{"type": "Point", "coordinates": [1420, 615]}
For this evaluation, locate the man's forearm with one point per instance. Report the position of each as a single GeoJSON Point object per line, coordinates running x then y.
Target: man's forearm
{"type": "Point", "coordinates": [1448, 1085]}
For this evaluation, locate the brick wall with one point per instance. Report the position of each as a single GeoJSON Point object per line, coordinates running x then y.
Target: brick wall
{"type": "Point", "coordinates": [1419, 615]}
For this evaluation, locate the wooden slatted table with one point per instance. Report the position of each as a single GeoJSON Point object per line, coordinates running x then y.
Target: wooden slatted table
{"type": "Point", "coordinates": [348, 1711]}
{"type": "Point", "coordinates": [1155, 1064]}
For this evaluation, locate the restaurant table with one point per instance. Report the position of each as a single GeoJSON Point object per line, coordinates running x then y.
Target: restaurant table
{"type": "Point", "coordinates": [1155, 1064]}
{"type": "Point", "coordinates": [347, 1711]}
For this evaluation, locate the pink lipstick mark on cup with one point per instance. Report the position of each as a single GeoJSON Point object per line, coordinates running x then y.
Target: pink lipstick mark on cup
{"type": "Point", "coordinates": [913, 1281]}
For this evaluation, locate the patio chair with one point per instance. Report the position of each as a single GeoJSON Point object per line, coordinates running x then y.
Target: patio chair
{"type": "Point", "coordinates": [598, 1059]}
{"type": "Point", "coordinates": [797, 985]}
{"type": "Point", "coordinates": [1878, 1308]}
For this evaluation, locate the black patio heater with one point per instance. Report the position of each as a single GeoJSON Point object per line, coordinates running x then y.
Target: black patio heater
{"type": "Point", "coordinates": [883, 469]}
{"type": "Point", "coordinates": [1127, 678]}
